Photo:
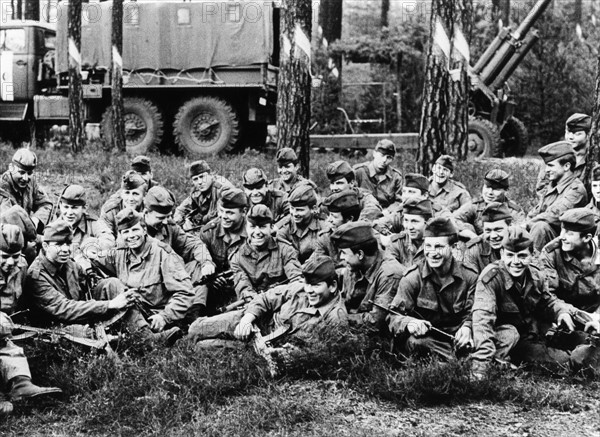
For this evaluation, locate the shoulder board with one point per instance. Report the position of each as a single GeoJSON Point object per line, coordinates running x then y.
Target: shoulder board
{"type": "Point", "coordinates": [474, 241]}
{"type": "Point", "coordinates": [513, 205]}
{"type": "Point", "coordinates": [459, 184]}
{"type": "Point", "coordinates": [470, 268]}
{"type": "Point", "coordinates": [489, 273]}
{"type": "Point", "coordinates": [277, 193]}
{"type": "Point", "coordinates": [91, 217]}
{"type": "Point", "coordinates": [111, 204]}
{"type": "Point", "coordinates": [394, 169]}
{"type": "Point", "coordinates": [327, 231]}
{"type": "Point", "coordinates": [281, 240]}
{"type": "Point", "coordinates": [552, 246]}
{"type": "Point", "coordinates": [210, 225]}
{"type": "Point", "coordinates": [34, 270]}
{"type": "Point", "coordinates": [398, 237]}
{"type": "Point", "coordinates": [411, 269]}
{"type": "Point", "coordinates": [360, 165]}
{"type": "Point", "coordinates": [164, 246]}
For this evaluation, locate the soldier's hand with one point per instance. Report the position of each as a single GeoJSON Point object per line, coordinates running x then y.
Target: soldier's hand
{"type": "Point", "coordinates": [123, 300]}
{"type": "Point", "coordinates": [208, 269]}
{"type": "Point", "coordinates": [243, 330]}
{"type": "Point", "coordinates": [6, 325]}
{"type": "Point", "coordinates": [463, 338]}
{"type": "Point", "coordinates": [565, 320]}
{"type": "Point", "coordinates": [592, 327]}
{"type": "Point", "coordinates": [418, 328]}
{"type": "Point", "coordinates": [157, 322]}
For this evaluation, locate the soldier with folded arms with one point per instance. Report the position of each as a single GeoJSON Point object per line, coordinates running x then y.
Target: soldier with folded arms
{"type": "Point", "coordinates": [444, 191]}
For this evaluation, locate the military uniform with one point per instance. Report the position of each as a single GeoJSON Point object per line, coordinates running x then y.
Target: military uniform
{"type": "Point", "coordinates": [277, 202]}
{"type": "Point", "coordinates": [404, 250]}
{"type": "Point", "coordinates": [108, 215]}
{"type": "Point", "coordinates": [479, 254]}
{"type": "Point", "coordinates": [451, 196]}
{"type": "Point", "coordinates": [469, 215]}
{"type": "Point", "coordinates": [386, 187]}
{"type": "Point", "coordinates": [303, 240]}
{"type": "Point", "coordinates": [593, 206]}
{"type": "Point", "coordinates": [325, 247]}
{"type": "Point", "coordinates": [91, 227]}
{"type": "Point", "coordinates": [278, 184]}
{"type": "Point", "coordinates": [199, 207]}
{"type": "Point", "coordinates": [32, 199]}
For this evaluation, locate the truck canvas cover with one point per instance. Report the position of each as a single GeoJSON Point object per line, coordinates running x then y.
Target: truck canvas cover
{"type": "Point", "coordinates": [174, 35]}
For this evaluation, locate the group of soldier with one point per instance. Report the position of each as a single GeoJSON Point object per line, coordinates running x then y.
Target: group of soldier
{"type": "Point", "coordinates": [410, 257]}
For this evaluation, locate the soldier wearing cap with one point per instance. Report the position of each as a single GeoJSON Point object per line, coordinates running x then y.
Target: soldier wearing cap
{"type": "Point", "coordinates": [200, 206]}
{"type": "Point", "coordinates": [262, 261]}
{"type": "Point", "coordinates": [443, 189]}
{"type": "Point", "coordinates": [132, 192]}
{"type": "Point", "coordinates": [19, 187]}
{"type": "Point", "coordinates": [259, 193]}
{"type": "Point", "coordinates": [15, 215]}
{"type": "Point", "coordinates": [341, 178]}
{"type": "Point", "coordinates": [563, 193]}
{"type": "Point", "coordinates": [485, 249]}
{"type": "Point", "coordinates": [510, 297]}
{"type": "Point", "coordinates": [370, 277]}
{"type": "Point", "coordinates": [380, 178]}
{"type": "Point", "coordinates": [141, 165]}
{"type": "Point", "coordinates": [495, 186]}
{"type": "Point", "coordinates": [287, 168]}
{"type": "Point", "coordinates": [594, 204]}
{"type": "Point", "coordinates": [302, 226]}
{"type": "Point", "coordinates": [437, 293]}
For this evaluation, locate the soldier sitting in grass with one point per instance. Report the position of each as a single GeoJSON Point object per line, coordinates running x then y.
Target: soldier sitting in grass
{"type": "Point", "coordinates": [435, 298]}
{"type": "Point", "coordinates": [444, 191]}
{"type": "Point", "coordinates": [133, 190]}
{"type": "Point", "coordinates": [259, 193]}
{"type": "Point", "coordinates": [287, 168]}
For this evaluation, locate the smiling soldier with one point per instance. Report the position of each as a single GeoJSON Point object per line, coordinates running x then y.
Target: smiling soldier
{"type": "Point", "coordinates": [259, 193]}
{"type": "Point", "coordinates": [287, 168]}
{"type": "Point", "coordinates": [444, 191]}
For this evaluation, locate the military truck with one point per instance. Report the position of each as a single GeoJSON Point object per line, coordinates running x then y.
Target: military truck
{"type": "Point", "coordinates": [200, 74]}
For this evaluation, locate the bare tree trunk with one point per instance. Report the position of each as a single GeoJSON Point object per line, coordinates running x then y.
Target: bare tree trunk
{"type": "Point", "coordinates": [330, 19]}
{"type": "Point", "coordinates": [32, 10]}
{"type": "Point", "coordinates": [294, 83]}
{"type": "Point", "coordinates": [76, 121]}
{"type": "Point", "coordinates": [117, 76]}
{"type": "Point", "coordinates": [385, 13]}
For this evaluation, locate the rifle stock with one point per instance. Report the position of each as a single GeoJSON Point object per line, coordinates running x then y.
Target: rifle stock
{"type": "Point", "coordinates": [53, 333]}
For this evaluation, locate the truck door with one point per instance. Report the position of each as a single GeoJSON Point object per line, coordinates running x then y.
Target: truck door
{"type": "Point", "coordinates": [15, 77]}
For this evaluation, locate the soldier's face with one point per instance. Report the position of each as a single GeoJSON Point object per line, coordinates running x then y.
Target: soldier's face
{"type": "Point", "coordinates": [596, 190]}
{"type": "Point", "coordinates": [555, 171]}
{"type": "Point", "coordinates": [256, 194]}
{"type": "Point", "coordinates": [414, 225]}
{"type": "Point", "coordinates": [146, 176]}
{"type": "Point", "coordinates": [340, 185]}
{"type": "Point", "coordinates": [71, 213]}
{"type": "Point", "coordinates": [288, 172]}
{"type": "Point", "coordinates": [20, 176]}
{"type": "Point", "coordinates": [319, 294]}
{"type": "Point", "coordinates": [202, 181]}
{"type": "Point", "coordinates": [335, 219]}
{"type": "Point", "coordinates": [302, 215]}
{"type": "Point", "coordinates": [155, 219]}
{"type": "Point", "coordinates": [58, 253]}
{"type": "Point", "coordinates": [573, 241]}
{"type": "Point", "coordinates": [380, 161]}
{"type": "Point", "coordinates": [579, 138]}
{"type": "Point", "coordinates": [8, 261]}
{"type": "Point", "coordinates": [516, 262]}
{"type": "Point", "coordinates": [438, 251]}
{"type": "Point", "coordinates": [258, 234]}
{"type": "Point", "coordinates": [133, 198]}
{"type": "Point", "coordinates": [490, 194]}
{"type": "Point", "coordinates": [412, 192]}
{"type": "Point", "coordinates": [133, 236]}
{"type": "Point", "coordinates": [231, 218]}
{"type": "Point", "coordinates": [441, 174]}
{"type": "Point", "coordinates": [352, 259]}
{"type": "Point", "coordinates": [495, 232]}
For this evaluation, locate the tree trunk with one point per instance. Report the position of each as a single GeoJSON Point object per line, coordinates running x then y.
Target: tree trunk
{"type": "Point", "coordinates": [118, 126]}
{"type": "Point", "coordinates": [594, 152]}
{"type": "Point", "coordinates": [294, 83]}
{"type": "Point", "coordinates": [444, 120]}
{"type": "Point", "coordinates": [76, 122]}
{"type": "Point", "coordinates": [330, 19]}
{"type": "Point", "coordinates": [32, 10]}
{"type": "Point", "coordinates": [578, 11]}
{"type": "Point", "coordinates": [501, 11]}
{"type": "Point", "coordinates": [385, 13]}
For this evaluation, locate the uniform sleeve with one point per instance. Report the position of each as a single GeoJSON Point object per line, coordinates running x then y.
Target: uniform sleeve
{"type": "Point", "coordinates": [404, 302]}
{"type": "Point", "coordinates": [470, 258]}
{"type": "Point", "coordinates": [291, 265]}
{"type": "Point", "coordinates": [484, 321]}
{"type": "Point", "coordinates": [106, 239]}
{"type": "Point", "coordinates": [572, 197]}
{"type": "Point", "coordinates": [42, 206]}
{"type": "Point", "coordinates": [190, 247]}
{"type": "Point", "coordinates": [465, 216]}
{"type": "Point", "coordinates": [386, 289]}
{"type": "Point", "coordinates": [321, 246]}
{"type": "Point", "coordinates": [183, 211]}
{"type": "Point", "coordinates": [370, 207]}
{"type": "Point", "coordinates": [398, 188]}
{"type": "Point", "coordinates": [272, 300]}
{"type": "Point", "coordinates": [548, 266]}
{"type": "Point", "coordinates": [179, 285]}
{"type": "Point", "coordinates": [243, 285]}
{"type": "Point", "coordinates": [107, 220]}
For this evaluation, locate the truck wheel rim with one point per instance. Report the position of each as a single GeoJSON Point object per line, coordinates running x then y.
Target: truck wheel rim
{"type": "Point", "coordinates": [205, 129]}
{"type": "Point", "coordinates": [135, 129]}
{"type": "Point", "coordinates": [475, 144]}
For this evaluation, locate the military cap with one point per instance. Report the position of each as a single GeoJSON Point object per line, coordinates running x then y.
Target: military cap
{"type": "Point", "coordinates": [303, 195]}
{"type": "Point", "coordinates": [342, 201]}
{"type": "Point", "coordinates": [338, 170]}
{"type": "Point", "coordinates": [417, 206]}
{"type": "Point", "coordinates": [440, 227]}
{"type": "Point", "coordinates": [579, 122]}
{"type": "Point", "coordinates": [416, 180]}
{"type": "Point", "coordinates": [596, 172]}
{"type": "Point", "coordinates": [73, 195]}
{"type": "Point", "coordinates": [496, 179]}
{"type": "Point", "coordinates": [141, 164]}
{"type": "Point", "coordinates": [496, 211]}
{"type": "Point", "coordinates": [128, 218]}
{"type": "Point", "coordinates": [353, 234]}
{"type": "Point", "coordinates": [198, 167]}
{"type": "Point", "coordinates": [517, 239]}
{"type": "Point", "coordinates": [16, 215]}
{"type": "Point", "coordinates": [554, 151]}
{"type": "Point", "coordinates": [286, 155]}
{"type": "Point", "coordinates": [579, 220]}
{"type": "Point", "coordinates": [159, 199]}
{"type": "Point", "coordinates": [254, 178]}
{"type": "Point", "coordinates": [11, 238]}
{"type": "Point", "coordinates": [318, 268]}
{"type": "Point", "coordinates": [446, 161]}
{"type": "Point", "coordinates": [233, 198]}
{"type": "Point", "coordinates": [260, 215]}
{"type": "Point", "coordinates": [58, 231]}
{"type": "Point", "coordinates": [386, 147]}
{"type": "Point", "coordinates": [131, 180]}
{"type": "Point", "coordinates": [25, 159]}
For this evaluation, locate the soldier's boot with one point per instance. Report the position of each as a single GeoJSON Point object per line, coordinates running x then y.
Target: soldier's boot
{"type": "Point", "coordinates": [21, 388]}
{"type": "Point", "coordinates": [165, 338]}
{"type": "Point", "coordinates": [6, 406]}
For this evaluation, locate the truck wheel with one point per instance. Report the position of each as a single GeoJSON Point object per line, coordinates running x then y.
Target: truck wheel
{"type": "Point", "coordinates": [484, 139]}
{"type": "Point", "coordinates": [206, 126]}
{"type": "Point", "coordinates": [515, 137]}
{"type": "Point", "coordinates": [143, 125]}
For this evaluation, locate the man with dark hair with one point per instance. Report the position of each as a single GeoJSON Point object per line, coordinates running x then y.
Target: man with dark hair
{"type": "Point", "coordinates": [564, 192]}
{"type": "Point", "coordinates": [288, 168]}
{"type": "Point", "coordinates": [255, 186]}
{"type": "Point", "coordinates": [443, 189]}
{"type": "Point", "coordinates": [133, 189]}
{"type": "Point", "coordinates": [435, 294]}
{"type": "Point", "coordinates": [370, 277]}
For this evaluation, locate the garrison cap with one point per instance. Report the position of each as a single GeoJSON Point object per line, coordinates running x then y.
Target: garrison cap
{"type": "Point", "coordinates": [579, 122]}
{"type": "Point", "coordinates": [496, 211]}
{"type": "Point", "coordinates": [141, 164]}
{"type": "Point", "coordinates": [128, 218]}
{"type": "Point", "coordinates": [353, 234]}
{"type": "Point", "coordinates": [318, 268]}
{"type": "Point", "coordinates": [420, 207]}
{"type": "Point", "coordinates": [554, 151]}
{"type": "Point", "coordinates": [446, 161]}
{"type": "Point", "coordinates": [440, 227]}
{"type": "Point", "coordinates": [132, 180]}
{"type": "Point", "coordinates": [386, 147]}
{"type": "Point", "coordinates": [58, 231]}
{"type": "Point", "coordinates": [579, 220]}
{"type": "Point", "coordinates": [16, 215]}
{"type": "Point", "coordinates": [198, 167]}
{"type": "Point", "coordinates": [254, 178]}
{"type": "Point", "coordinates": [517, 239]}
{"type": "Point", "coordinates": [73, 195]}
{"type": "Point", "coordinates": [233, 198]}
{"type": "Point", "coordinates": [496, 179]}
{"type": "Point", "coordinates": [160, 200]}
{"type": "Point", "coordinates": [260, 215]}
{"type": "Point", "coordinates": [303, 195]}
{"type": "Point", "coordinates": [286, 155]}
{"type": "Point", "coordinates": [417, 180]}
{"type": "Point", "coordinates": [11, 238]}
{"type": "Point", "coordinates": [342, 201]}
{"type": "Point", "coordinates": [25, 159]}
{"type": "Point", "coordinates": [338, 170]}
{"type": "Point", "coordinates": [596, 172]}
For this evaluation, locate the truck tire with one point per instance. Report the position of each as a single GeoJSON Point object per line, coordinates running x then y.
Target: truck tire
{"type": "Point", "coordinates": [515, 137]}
{"type": "Point", "coordinates": [206, 126]}
{"type": "Point", "coordinates": [484, 139]}
{"type": "Point", "coordinates": [143, 125]}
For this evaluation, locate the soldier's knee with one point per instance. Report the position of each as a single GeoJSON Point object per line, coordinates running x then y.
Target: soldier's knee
{"type": "Point", "coordinates": [585, 358]}
{"type": "Point", "coordinates": [507, 337]}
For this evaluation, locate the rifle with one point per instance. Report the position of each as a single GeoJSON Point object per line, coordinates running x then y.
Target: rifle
{"type": "Point", "coordinates": [54, 334]}
{"type": "Point", "coordinates": [234, 305]}
{"type": "Point", "coordinates": [263, 345]}
{"type": "Point", "coordinates": [227, 274]}
{"type": "Point", "coordinates": [583, 318]}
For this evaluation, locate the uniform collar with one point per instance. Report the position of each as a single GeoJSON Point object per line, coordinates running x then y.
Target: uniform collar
{"type": "Point", "coordinates": [373, 171]}
{"type": "Point", "coordinates": [509, 281]}
{"type": "Point", "coordinates": [565, 182]}
{"type": "Point", "coordinates": [144, 252]}
{"type": "Point", "coordinates": [50, 266]}
{"type": "Point", "coordinates": [372, 271]}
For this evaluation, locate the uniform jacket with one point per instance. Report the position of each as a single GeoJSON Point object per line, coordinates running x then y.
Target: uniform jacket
{"type": "Point", "coordinates": [593, 206]}
{"type": "Point", "coordinates": [568, 193]}
{"type": "Point", "coordinates": [108, 214]}
{"type": "Point", "coordinates": [451, 196]}
{"type": "Point", "coordinates": [387, 187]}
{"type": "Point", "coordinates": [324, 246]}
{"type": "Point", "coordinates": [32, 199]}
{"type": "Point", "coordinates": [404, 250]}
{"type": "Point", "coordinates": [187, 246]}
{"type": "Point", "coordinates": [303, 240]}
{"type": "Point", "coordinates": [279, 185]}
{"type": "Point", "coordinates": [469, 215]}
{"type": "Point", "coordinates": [199, 207]}
{"type": "Point", "coordinates": [222, 245]}
{"type": "Point", "coordinates": [277, 202]}
{"type": "Point", "coordinates": [479, 254]}
{"type": "Point", "coordinates": [11, 288]}
{"type": "Point", "coordinates": [90, 227]}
